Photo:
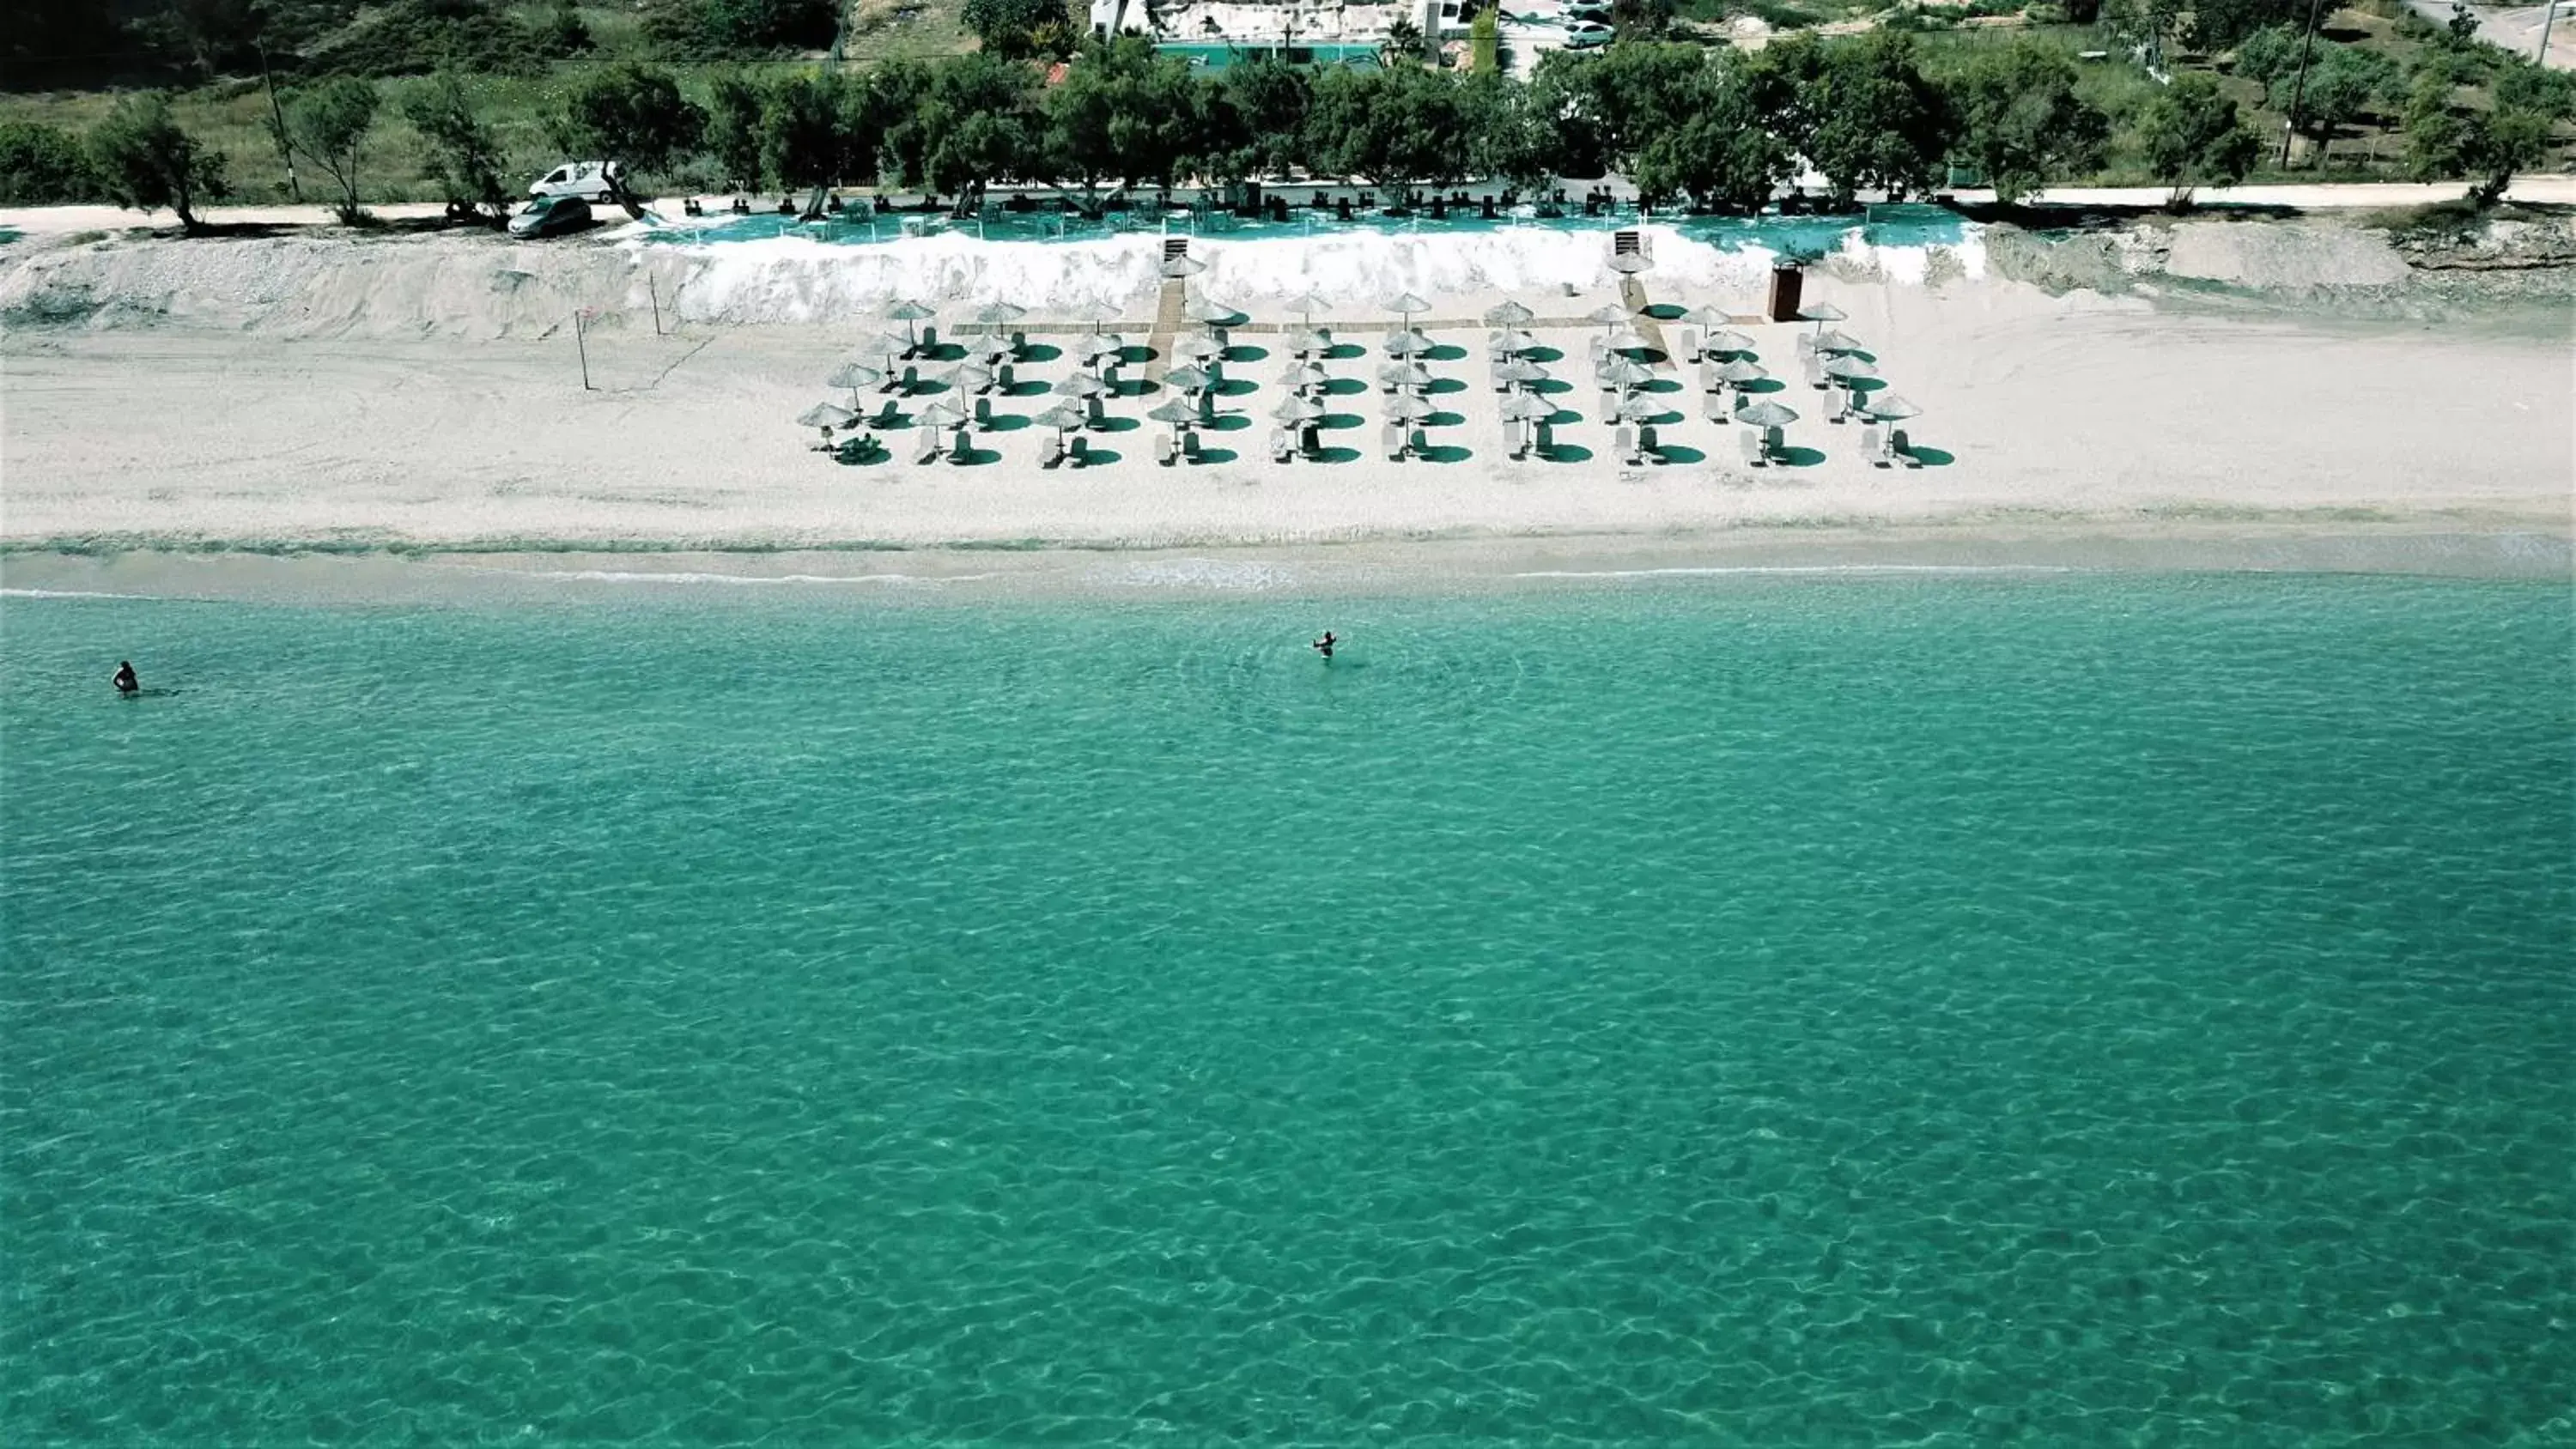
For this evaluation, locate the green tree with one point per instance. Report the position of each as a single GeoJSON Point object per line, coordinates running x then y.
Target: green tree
{"type": "Point", "coordinates": [145, 161]}
{"type": "Point", "coordinates": [1722, 155]}
{"type": "Point", "coordinates": [1016, 28]}
{"type": "Point", "coordinates": [1508, 137]}
{"type": "Point", "coordinates": [1396, 127]}
{"type": "Point", "coordinates": [2218, 24]}
{"type": "Point", "coordinates": [1121, 114]}
{"type": "Point", "coordinates": [462, 153]}
{"type": "Point", "coordinates": [629, 113]}
{"type": "Point", "coordinates": [2021, 124]}
{"type": "Point", "coordinates": [961, 124]}
{"type": "Point", "coordinates": [327, 125]}
{"type": "Point", "coordinates": [1403, 39]}
{"type": "Point", "coordinates": [2194, 136]}
{"type": "Point", "coordinates": [735, 129]}
{"type": "Point", "coordinates": [817, 129]}
{"type": "Point", "coordinates": [1613, 105]}
{"type": "Point", "coordinates": [1485, 41]}
{"type": "Point", "coordinates": [43, 166]}
{"type": "Point", "coordinates": [1874, 121]}
{"type": "Point", "coordinates": [2489, 146]}
{"type": "Point", "coordinates": [1268, 99]}
{"type": "Point", "coordinates": [2342, 83]}
{"type": "Point", "coordinates": [2269, 53]}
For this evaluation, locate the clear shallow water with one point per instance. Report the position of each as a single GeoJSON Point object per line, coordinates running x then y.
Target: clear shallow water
{"type": "Point", "coordinates": [2051, 1011]}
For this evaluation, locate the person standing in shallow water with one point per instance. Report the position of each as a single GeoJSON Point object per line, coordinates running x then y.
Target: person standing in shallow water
{"type": "Point", "coordinates": [126, 683]}
{"type": "Point", "coordinates": [1324, 646]}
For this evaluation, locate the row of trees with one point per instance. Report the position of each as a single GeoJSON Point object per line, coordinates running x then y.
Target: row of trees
{"type": "Point", "coordinates": [1717, 130]}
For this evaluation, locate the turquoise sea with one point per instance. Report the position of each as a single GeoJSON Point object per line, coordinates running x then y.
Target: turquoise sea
{"type": "Point", "coordinates": [2057, 1010]}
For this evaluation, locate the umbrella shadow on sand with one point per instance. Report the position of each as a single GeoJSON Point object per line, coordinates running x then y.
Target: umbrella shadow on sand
{"type": "Point", "coordinates": [1236, 387]}
{"type": "Point", "coordinates": [1931, 457]}
{"type": "Point", "coordinates": [1445, 352]}
{"type": "Point", "coordinates": [1665, 311]}
{"type": "Point", "coordinates": [1343, 351]}
{"type": "Point", "coordinates": [1335, 455]}
{"type": "Point", "coordinates": [1446, 385]}
{"type": "Point", "coordinates": [1544, 354]}
{"type": "Point", "coordinates": [1676, 453]}
{"type": "Point", "coordinates": [1246, 352]}
{"type": "Point", "coordinates": [1345, 387]}
{"type": "Point", "coordinates": [1004, 423]}
{"type": "Point", "coordinates": [977, 457]}
{"type": "Point", "coordinates": [1566, 453]}
{"type": "Point", "coordinates": [1797, 458]}
{"type": "Point", "coordinates": [1218, 455]}
{"type": "Point", "coordinates": [1026, 387]}
{"type": "Point", "coordinates": [1116, 425]}
{"type": "Point", "coordinates": [944, 352]}
{"type": "Point", "coordinates": [1562, 417]}
{"type": "Point", "coordinates": [1338, 420]}
{"type": "Point", "coordinates": [1763, 384]}
{"type": "Point", "coordinates": [1041, 352]}
{"type": "Point", "coordinates": [1097, 457]}
{"type": "Point", "coordinates": [1552, 385]}
{"type": "Point", "coordinates": [1226, 423]}
{"type": "Point", "coordinates": [1442, 420]}
{"type": "Point", "coordinates": [1444, 453]}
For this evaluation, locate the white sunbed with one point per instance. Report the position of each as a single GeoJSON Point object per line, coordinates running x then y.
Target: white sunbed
{"type": "Point", "coordinates": [1051, 450]}
{"type": "Point", "coordinates": [1755, 454]}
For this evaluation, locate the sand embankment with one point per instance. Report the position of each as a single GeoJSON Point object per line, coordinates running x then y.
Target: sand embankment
{"type": "Point", "coordinates": [426, 391]}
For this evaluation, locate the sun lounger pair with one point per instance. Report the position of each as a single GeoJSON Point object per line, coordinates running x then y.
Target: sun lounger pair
{"type": "Point", "coordinates": [926, 449]}
{"type": "Point", "coordinates": [885, 417]}
{"type": "Point", "coordinates": [899, 382]}
{"type": "Point", "coordinates": [1903, 448]}
{"type": "Point", "coordinates": [1690, 345]}
{"type": "Point", "coordinates": [1757, 452]}
{"type": "Point", "coordinates": [1709, 381]}
{"type": "Point", "coordinates": [1051, 451]}
{"type": "Point", "coordinates": [1166, 452]}
{"type": "Point", "coordinates": [961, 449]}
{"type": "Point", "coordinates": [1636, 446]}
{"type": "Point", "coordinates": [1815, 370]}
{"type": "Point", "coordinates": [1392, 435]}
{"type": "Point", "coordinates": [1609, 404]}
{"type": "Point", "coordinates": [1282, 447]}
{"type": "Point", "coordinates": [1517, 432]}
{"type": "Point", "coordinates": [1712, 406]}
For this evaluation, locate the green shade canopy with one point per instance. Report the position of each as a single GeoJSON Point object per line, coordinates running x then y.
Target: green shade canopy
{"type": "Point", "coordinates": [1406, 344]}
{"type": "Point", "coordinates": [1187, 379]}
{"type": "Point", "coordinates": [1822, 312]}
{"type": "Point", "coordinates": [1521, 369]}
{"type": "Point", "coordinates": [1510, 314]}
{"type": "Point", "coordinates": [1413, 373]}
{"type": "Point", "coordinates": [1408, 304]}
{"type": "Point", "coordinates": [1767, 415]}
{"type": "Point", "coordinates": [1199, 348]}
{"type": "Point", "coordinates": [1889, 408]}
{"type": "Point", "coordinates": [1293, 409]}
{"type": "Point", "coordinates": [1212, 312]}
{"type": "Point", "coordinates": [1740, 372]}
{"type": "Point", "coordinates": [1080, 384]}
{"type": "Point", "coordinates": [1725, 340]}
{"type": "Point", "coordinates": [1174, 411]}
{"type": "Point", "coordinates": [1408, 406]}
{"type": "Point", "coordinates": [996, 314]}
{"type": "Point", "coordinates": [911, 311]}
{"type": "Point", "coordinates": [826, 415]}
{"type": "Point", "coordinates": [1832, 341]}
{"type": "Point", "coordinates": [1850, 367]}
{"type": "Point", "coordinates": [1527, 405]}
{"type": "Point", "coordinates": [1063, 415]}
{"type": "Point", "coordinates": [854, 375]}
{"type": "Point", "coordinates": [942, 413]}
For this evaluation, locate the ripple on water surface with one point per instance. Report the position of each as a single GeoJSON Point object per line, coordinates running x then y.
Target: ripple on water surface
{"type": "Point", "coordinates": [1769, 1012]}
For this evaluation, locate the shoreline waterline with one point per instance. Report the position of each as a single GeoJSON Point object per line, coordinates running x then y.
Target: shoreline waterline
{"type": "Point", "coordinates": [428, 575]}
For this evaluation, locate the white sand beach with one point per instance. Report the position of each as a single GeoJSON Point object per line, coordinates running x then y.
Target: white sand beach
{"type": "Point", "coordinates": [381, 395]}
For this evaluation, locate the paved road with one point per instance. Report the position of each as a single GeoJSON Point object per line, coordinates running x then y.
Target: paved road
{"type": "Point", "coordinates": [2514, 27]}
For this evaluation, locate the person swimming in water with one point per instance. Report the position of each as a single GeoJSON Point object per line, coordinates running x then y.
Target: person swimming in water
{"type": "Point", "coordinates": [126, 683]}
{"type": "Point", "coordinates": [1324, 646]}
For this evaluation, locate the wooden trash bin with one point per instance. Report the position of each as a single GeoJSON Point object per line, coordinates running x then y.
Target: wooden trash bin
{"type": "Point", "coordinates": [1786, 285]}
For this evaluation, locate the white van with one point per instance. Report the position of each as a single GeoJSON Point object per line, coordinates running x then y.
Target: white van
{"type": "Point", "coordinates": [589, 180]}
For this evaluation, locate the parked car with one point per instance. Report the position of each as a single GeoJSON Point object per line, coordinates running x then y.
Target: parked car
{"type": "Point", "coordinates": [589, 180]}
{"type": "Point", "coordinates": [550, 216]}
{"type": "Point", "coordinates": [1584, 34]}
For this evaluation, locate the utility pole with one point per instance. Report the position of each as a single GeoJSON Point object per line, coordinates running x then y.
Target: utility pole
{"type": "Point", "coordinates": [2548, 17]}
{"type": "Point", "coordinates": [277, 119]}
{"type": "Point", "coordinates": [2299, 85]}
